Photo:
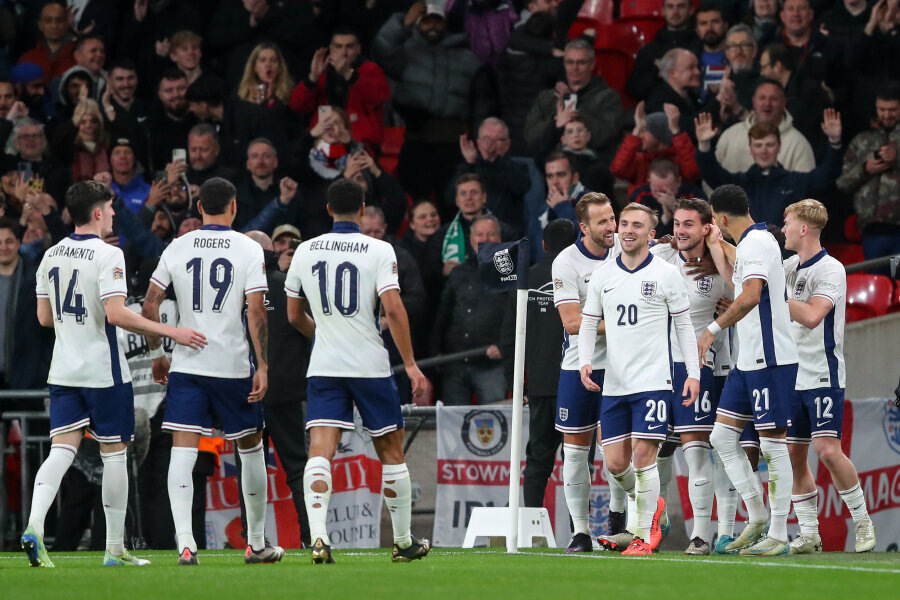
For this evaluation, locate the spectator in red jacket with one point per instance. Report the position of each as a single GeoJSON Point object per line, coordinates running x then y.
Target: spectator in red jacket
{"type": "Point", "coordinates": [55, 46]}
{"type": "Point", "coordinates": [340, 76]}
{"type": "Point", "coordinates": [656, 135]}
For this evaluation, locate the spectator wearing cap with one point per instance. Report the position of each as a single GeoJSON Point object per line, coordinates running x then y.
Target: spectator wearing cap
{"type": "Point", "coordinates": [440, 91]}
{"type": "Point", "coordinates": [288, 238]}
{"type": "Point", "coordinates": [340, 75]}
{"type": "Point", "coordinates": [654, 136]}
{"type": "Point", "coordinates": [203, 156]}
{"type": "Point", "coordinates": [29, 80]}
{"type": "Point", "coordinates": [54, 51]}
{"type": "Point", "coordinates": [237, 122]}
{"type": "Point", "coordinates": [129, 185]}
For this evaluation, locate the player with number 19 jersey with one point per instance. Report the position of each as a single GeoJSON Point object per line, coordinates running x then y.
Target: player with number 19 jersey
{"type": "Point", "coordinates": [212, 269]}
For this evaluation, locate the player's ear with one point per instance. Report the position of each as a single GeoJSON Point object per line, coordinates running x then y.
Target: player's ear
{"type": "Point", "coordinates": [330, 212]}
{"type": "Point", "coordinates": [362, 210]}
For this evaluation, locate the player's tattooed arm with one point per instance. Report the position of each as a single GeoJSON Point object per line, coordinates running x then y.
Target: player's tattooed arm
{"type": "Point", "coordinates": [150, 311]}
{"type": "Point", "coordinates": [259, 327]}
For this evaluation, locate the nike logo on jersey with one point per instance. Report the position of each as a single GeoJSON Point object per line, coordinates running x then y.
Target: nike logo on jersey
{"type": "Point", "coordinates": [823, 423]}
{"type": "Point", "coordinates": [652, 427]}
{"type": "Point", "coordinates": [701, 483]}
{"type": "Point", "coordinates": [701, 418]}
{"type": "Point", "coordinates": [762, 415]}
{"type": "Point", "coordinates": [587, 279]}
{"type": "Point", "coordinates": [606, 291]}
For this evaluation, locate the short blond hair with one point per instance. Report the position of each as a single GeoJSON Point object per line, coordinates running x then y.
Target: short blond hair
{"type": "Point", "coordinates": [183, 38]}
{"type": "Point", "coordinates": [812, 212]}
{"type": "Point", "coordinates": [586, 202]}
{"type": "Point", "coordinates": [632, 206]}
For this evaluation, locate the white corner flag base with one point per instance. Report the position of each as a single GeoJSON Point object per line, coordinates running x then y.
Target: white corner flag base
{"type": "Point", "coordinates": [491, 521]}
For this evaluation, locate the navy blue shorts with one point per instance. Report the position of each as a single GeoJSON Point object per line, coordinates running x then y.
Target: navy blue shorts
{"type": "Point", "coordinates": [329, 403]}
{"type": "Point", "coordinates": [765, 397]}
{"type": "Point", "coordinates": [577, 409]}
{"type": "Point", "coordinates": [195, 402]}
{"type": "Point", "coordinates": [817, 413]}
{"type": "Point", "coordinates": [108, 413]}
{"type": "Point", "coordinates": [701, 415]}
{"type": "Point", "coordinates": [644, 415]}
{"type": "Point", "coordinates": [749, 437]}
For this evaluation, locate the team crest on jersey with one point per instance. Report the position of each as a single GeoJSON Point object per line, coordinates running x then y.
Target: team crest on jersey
{"type": "Point", "coordinates": [118, 273]}
{"type": "Point", "coordinates": [798, 289]}
{"type": "Point", "coordinates": [704, 284]}
{"type": "Point", "coordinates": [648, 289]}
{"type": "Point", "coordinates": [563, 414]}
{"type": "Point", "coordinates": [892, 426]}
{"type": "Point", "coordinates": [489, 434]}
{"type": "Point", "coordinates": [502, 262]}
{"type": "Point", "coordinates": [394, 268]}
{"type": "Point", "coordinates": [557, 284]}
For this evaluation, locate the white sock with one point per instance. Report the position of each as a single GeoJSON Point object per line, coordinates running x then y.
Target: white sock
{"type": "Point", "coordinates": [807, 511]}
{"type": "Point", "coordinates": [181, 494]}
{"type": "Point", "coordinates": [700, 486]}
{"type": "Point", "coordinates": [577, 485]}
{"type": "Point", "coordinates": [46, 483]}
{"type": "Point", "coordinates": [781, 480]}
{"type": "Point", "coordinates": [856, 502]}
{"type": "Point", "coordinates": [726, 441]}
{"type": "Point", "coordinates": [726, 499]}
{"type": "Point", "coordinates": [317, 469]}
{"type": "Point", "coordinates": [631, 517]}
{"type": "Point", "coordinates": [647, 498]}
{"type": "Point", "coordinates": [664, 466]}
{"type": "Point", "coordinates": [396, 479]}
{"type": "Point", "coordinates": [114, 491]}
{"type": "Point", "coordinates": [254, 484]}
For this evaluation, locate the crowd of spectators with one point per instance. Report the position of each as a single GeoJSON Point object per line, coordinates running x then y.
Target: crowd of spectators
{"type": "Point", "coordinates": [506, 123]}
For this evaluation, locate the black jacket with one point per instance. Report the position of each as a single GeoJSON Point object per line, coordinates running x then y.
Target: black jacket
{"type": "Point", "coordinates": [543, 343]}
{"type": "Point", "coordinates": [466, 318]}
{"type": "Point", "coordinates": [288, 348]}
{"type": "Point", "coordinates": [29, 347]}
{"type": "Point", "coordinates": [506, 182]}
{"type": "Point", "coordinates": [645, 75]}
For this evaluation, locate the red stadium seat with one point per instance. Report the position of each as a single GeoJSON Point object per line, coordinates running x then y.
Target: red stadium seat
{"type": "Point", "coordinates": [390, 148]}
{"type": "Point", "coordinates": [623, 37]}
{"type": "Point", "coordinates": [868, 295]}
{"type": "Point", "coordinates": [600, 11]}
{"type": "Point", "coordinates": [641, 8]}
{"type": "Point", "coordinates": [895, 300]}
{"type": "Point", "coordinates": [648, 26]}
{"type": "Point", "coordinates": [847, 254]}
{"type": "Point", "coordinates": [613, 67]}
{"type": "Point", "coordinates": [851, 230]}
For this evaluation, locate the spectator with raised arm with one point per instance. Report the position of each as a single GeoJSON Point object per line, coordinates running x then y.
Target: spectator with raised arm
{"type": "Point", "coordinates": [770, 186]}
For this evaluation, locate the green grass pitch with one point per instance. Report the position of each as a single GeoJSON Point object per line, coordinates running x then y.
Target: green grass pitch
{"type": "Point", "coordinates": [484, 574]}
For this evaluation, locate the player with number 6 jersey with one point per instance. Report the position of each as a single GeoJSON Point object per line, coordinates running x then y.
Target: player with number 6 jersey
{"type": "Point", "coordinates": [347, 279]}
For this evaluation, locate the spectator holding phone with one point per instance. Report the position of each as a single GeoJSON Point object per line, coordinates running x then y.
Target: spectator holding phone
{"type": "Point", "coordinates": [340, 76]}
{"type": "Point", "coordinates": [871, 174]}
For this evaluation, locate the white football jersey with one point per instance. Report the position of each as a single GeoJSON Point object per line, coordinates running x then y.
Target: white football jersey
{"type": "Point", "coordinates": [342, 275]}
{"type": "Point", "coordinates": [212, 270]}
{"type": "Point", "coordinates": [76, 276]}
{"type": "Point", "coordinates": [148, 394]}
{"type": "Point", "coordinates": [636, 306]}
{"type": "Point", "coordinates": [821, 349]}
{"type": "Point", "coordinates": [765, 332]}
{"type": "Point", "coordinates": [572, 270]}
{"type": "Point", "coordinates": [703, 294]}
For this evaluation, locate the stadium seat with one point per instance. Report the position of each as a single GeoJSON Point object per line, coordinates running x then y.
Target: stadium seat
{"type": "Point", "coordinates": [641, 8]}
{"type": "Point", "coordinates": [622, 37]}
{"type": "Point", "coordinates": [868, 296]}
{"type": "Point", "coordinates": [895, 300]}
{"type": "Point", "coordinates": [851, 230]}
{"type": "Point", "coordinates": [613, 66]}
{"type": "Point", "coordinates": [390, 149]}
{"type": "Point", "coordinates": [648, 26]}
{"type": "Point", "coordinates": [847, 254]}
{"type": "Point", "coordinates": [600, 11]}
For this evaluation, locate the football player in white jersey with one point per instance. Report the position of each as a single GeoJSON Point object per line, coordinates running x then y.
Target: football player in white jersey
{"type": "Point", "coordinates": [761, 387]}
{"type": "Point", "coordinates": [817, 289]}
{"type": "Point", "coordinates": [637, 295]}
{"type": "Point", "coordinates": [578, 410]}
{"type": "Point", "coordinates": [692, 223]}
{"type": "Point", "coordinates": [346, 278]}
{"type": "Point", "coordinates": [81, 294]}
{"type": "Point", "coordinates": [215, 272]}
